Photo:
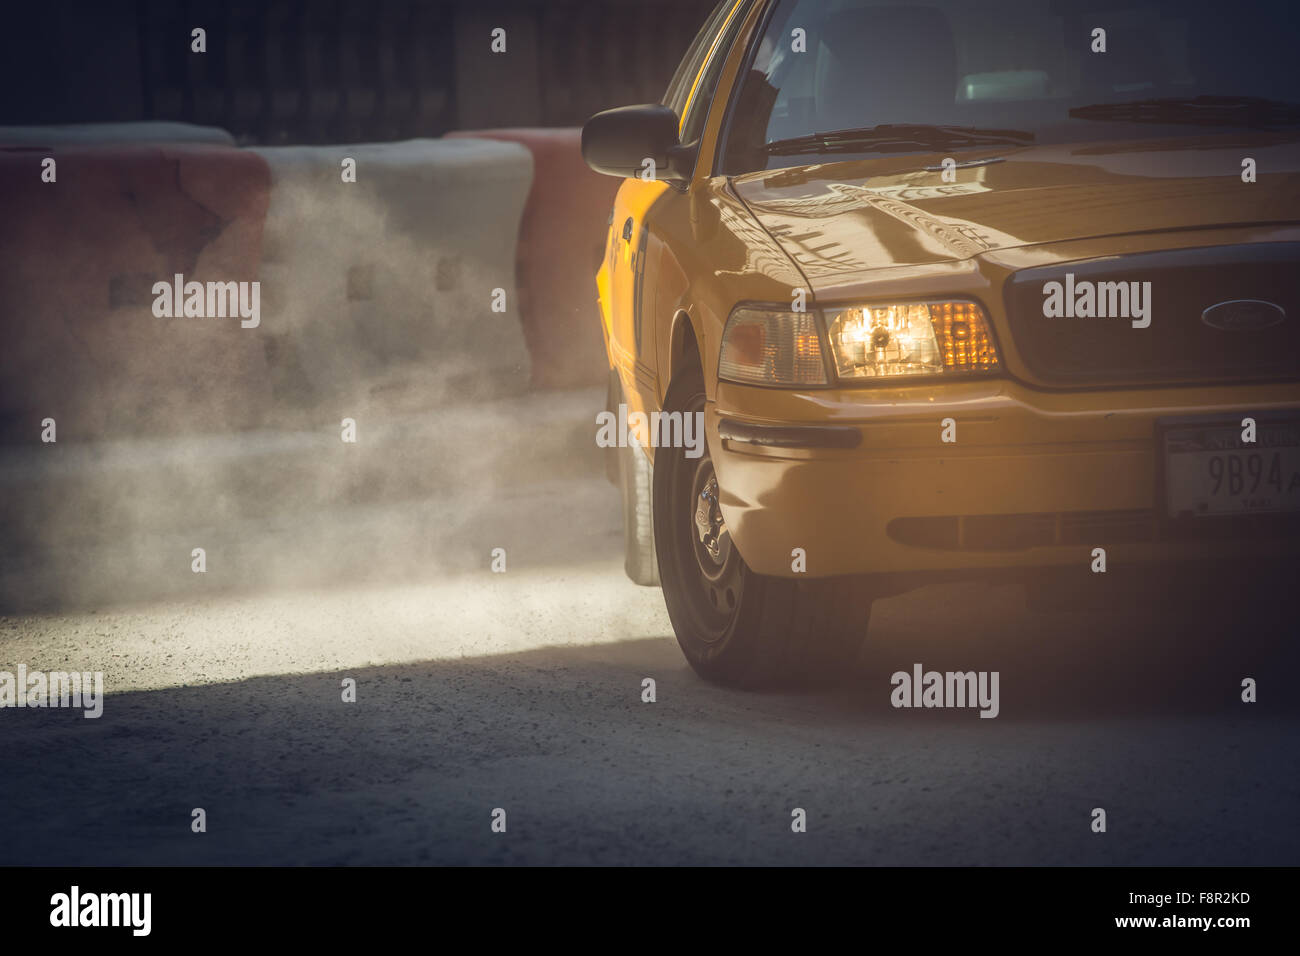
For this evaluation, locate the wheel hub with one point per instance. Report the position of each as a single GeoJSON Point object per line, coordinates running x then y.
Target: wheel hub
{"type": "Point", "coordinates": [712, 567]}
{"type": "Point", "coordinates": [709, 526]}
{"type": "Point", "coordinates": [713, 541]}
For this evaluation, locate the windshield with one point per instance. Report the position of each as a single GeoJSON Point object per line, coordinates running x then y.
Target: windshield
{"type": "Point", "coordinates": [1050, 70]}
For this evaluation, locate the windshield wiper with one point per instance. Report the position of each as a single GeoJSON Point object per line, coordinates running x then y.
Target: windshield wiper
{"type": "Point", "coordinates": [897, 137]}
{"type": "Point", "coordinates": [1196, 111]}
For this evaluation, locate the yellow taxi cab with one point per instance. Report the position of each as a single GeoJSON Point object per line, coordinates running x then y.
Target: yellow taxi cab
{"type": "Point", "coordinates": [953, 288]}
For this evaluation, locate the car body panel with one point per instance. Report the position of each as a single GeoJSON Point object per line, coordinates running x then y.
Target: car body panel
{"type": "Point", "coordinates": [843, 222]}
{"type": "Point", "coordinates": [1019, 451]}
{"type": "Point", "coordinates": [616, 280]}
{"type": "Point", "coordinates": [888, 228]}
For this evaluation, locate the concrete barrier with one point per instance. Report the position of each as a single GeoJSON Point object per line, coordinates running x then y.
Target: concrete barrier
{"type": "Point", "coordinates": [113, 134]}
{"type": "Point", "coordinates": [561, 240]}
{"type": "Point", "coordinates": [78, 260]}
{"type": "Point", "coordinates": [386, 283]}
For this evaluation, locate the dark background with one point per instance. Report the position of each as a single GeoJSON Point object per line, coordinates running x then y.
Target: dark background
{"type": "Point", "coordinates": [296, 71]}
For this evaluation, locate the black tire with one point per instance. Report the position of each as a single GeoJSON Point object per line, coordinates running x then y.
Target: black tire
{"type": "Point", "coordinates": [737, 627]}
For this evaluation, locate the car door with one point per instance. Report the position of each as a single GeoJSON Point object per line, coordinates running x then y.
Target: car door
{"type": "Point", "coordinates": [630, 252]}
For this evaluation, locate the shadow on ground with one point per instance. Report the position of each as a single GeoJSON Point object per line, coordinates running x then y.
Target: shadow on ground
{"type": "Point", "coordinates": [588, 773]}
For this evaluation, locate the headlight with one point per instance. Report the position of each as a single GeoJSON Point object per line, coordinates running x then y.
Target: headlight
{"type": "Point", "coordinates": [910, 338]}
{"type": "Point", "coordinates": [771, 348]}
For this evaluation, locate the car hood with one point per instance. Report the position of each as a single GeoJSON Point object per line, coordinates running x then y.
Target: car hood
{"type": "Point", "coordinates": [844, 222]}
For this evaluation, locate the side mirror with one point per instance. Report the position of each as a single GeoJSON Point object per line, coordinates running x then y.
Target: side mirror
{"type": "Point", "coordinates": [617, 142]}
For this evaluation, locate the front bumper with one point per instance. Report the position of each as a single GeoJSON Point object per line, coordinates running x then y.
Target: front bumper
{"type": "Point", "coordinates": [1034, 478]}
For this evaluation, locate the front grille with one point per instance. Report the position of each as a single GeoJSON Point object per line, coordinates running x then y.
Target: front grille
{"type": "Point", "coordinates": [1178, 346]}
{"type": "Point", "coordinates": [1018, 532]}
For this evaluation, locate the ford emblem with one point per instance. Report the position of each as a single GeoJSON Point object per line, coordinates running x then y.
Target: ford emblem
{"type": "Point", "coordinates": [1243, 315]}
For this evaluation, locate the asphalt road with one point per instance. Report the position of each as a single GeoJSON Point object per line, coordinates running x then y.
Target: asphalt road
{"type": "Point", "coordinates": [522, 691]}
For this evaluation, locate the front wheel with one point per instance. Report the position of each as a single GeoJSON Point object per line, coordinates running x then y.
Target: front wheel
{"type": "Point", "coordinates": [735, 626]}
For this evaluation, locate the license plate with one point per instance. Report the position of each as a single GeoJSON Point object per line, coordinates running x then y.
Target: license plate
{"type": "Point", "coordinates": [1210, 470]}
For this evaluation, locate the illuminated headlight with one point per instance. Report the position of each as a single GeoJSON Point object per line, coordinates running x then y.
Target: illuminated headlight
{"type": "Point", "coordinates": [760, 347]}
{"type": "Point", "coordinates": [910, 338]}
